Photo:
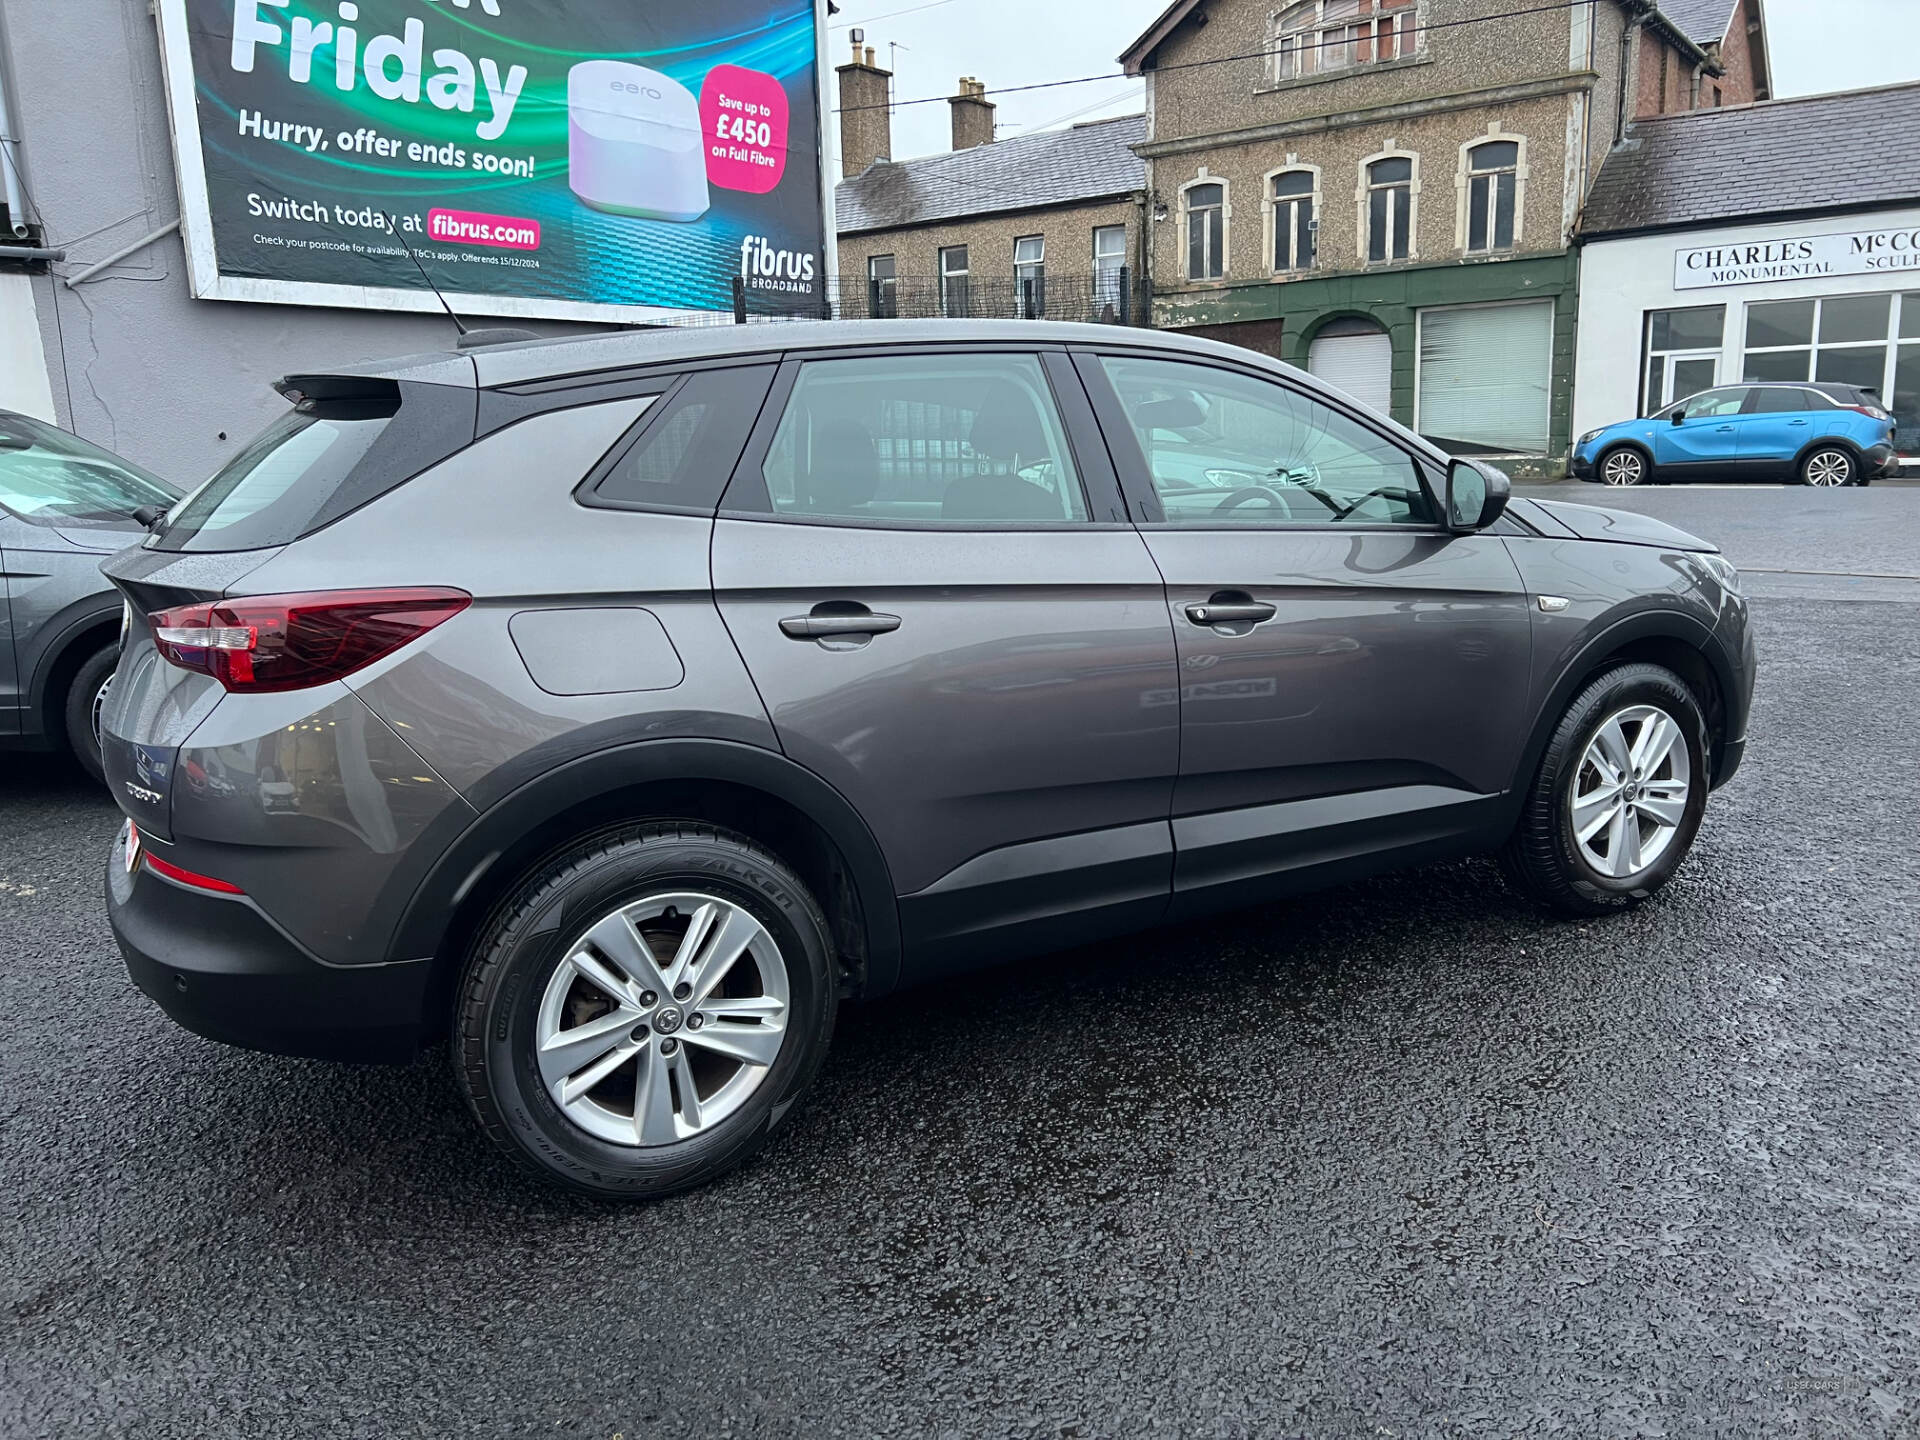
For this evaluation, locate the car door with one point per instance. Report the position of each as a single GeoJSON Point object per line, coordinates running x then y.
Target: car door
{"type": "Point", "coordinates": [936, 589]}
{"type": "Point", "coordinates": [1353, 677]}
{"type": "Point", "coordinates": [1775, 424]}
{"type": "Point", "coordinates": [1706, 434]}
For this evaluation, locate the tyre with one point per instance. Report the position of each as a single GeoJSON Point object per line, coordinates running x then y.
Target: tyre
{"type": "Point", "coordinates": [1617, 800]}
{"type": "Point", "coordinates": [80, 711]}
{"type": "Point", "coordinates": [1624, 465]}
{"type": "Point", "coordinates": [641, 1013]}
{"type": "Point", "coordinates": [1829, 467]}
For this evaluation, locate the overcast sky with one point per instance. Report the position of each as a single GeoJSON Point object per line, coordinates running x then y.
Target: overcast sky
{"type": "Point", "coordinates": [1817, 45]}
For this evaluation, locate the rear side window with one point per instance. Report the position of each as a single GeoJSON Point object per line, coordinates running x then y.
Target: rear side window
{"type": "Point", "coordinates": [318, 462]}
{"type": "Point", "coordinates": [924, 440]}
{"type": "Point", "coordinates": [1783, 402]}
{"type": "Point", "coordinates": [685, 449]}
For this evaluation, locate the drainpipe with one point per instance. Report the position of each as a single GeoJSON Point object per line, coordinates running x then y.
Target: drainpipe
{"type": "Point", "coordinates": [1143, 270]}
{"type": "Point", "coordinates": [10, 162]}
{"type": "Point", "coordinates": [1629, 76]}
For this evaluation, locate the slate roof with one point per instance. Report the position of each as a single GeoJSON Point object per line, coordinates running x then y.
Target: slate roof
{"type": "Point", "coordinates": [1055, 167]}
{"type": "Point", "coordinates": [1704, 21]}
{"type": "Point", "coordinates": [1854, 150]}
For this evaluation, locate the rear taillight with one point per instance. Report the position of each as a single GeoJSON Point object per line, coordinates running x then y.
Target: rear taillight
{"type": "Point", "coordinates": [1872, 412]}
{"type": "Point", "coordinates": [288, 642]}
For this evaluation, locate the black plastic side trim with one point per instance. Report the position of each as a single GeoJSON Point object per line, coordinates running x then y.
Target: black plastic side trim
{"type": "Point", "coordinates": [1036, 896]}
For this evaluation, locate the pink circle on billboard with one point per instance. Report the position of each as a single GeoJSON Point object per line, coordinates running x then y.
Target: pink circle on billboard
{"type": "Point", "coordinates": [743, 115]}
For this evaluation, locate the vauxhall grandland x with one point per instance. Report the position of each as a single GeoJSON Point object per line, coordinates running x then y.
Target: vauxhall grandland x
{"type": "Point", "coordinates": [608, 710]}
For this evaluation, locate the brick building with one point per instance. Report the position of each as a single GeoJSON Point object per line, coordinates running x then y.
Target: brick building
{"type": "Point", "coordinates": [1385, 191]}
{"type": "Point", "coordinates": [1043, 225]}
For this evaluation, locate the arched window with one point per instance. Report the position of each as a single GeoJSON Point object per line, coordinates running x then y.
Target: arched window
{"type": "Point", "coordinates": [1390, 209]}
{"type": "Point", "coordinates": [1293, 227]}
{"type": "Point", "coordinates": [1206, 230]}
{"type": "Point", "coordinates": [1493, 180]}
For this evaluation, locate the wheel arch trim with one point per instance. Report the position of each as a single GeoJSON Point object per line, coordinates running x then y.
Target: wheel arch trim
{"type": "Point", "coordinates": [468, 858]}
{"type": "Point", "coordinates": [62, 634]}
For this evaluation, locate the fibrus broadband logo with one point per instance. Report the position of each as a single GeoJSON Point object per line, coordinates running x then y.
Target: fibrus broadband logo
{"type": "Point", "coordinates": [765, 268]}
{"type": "Point", "coordinates": [473, 227]}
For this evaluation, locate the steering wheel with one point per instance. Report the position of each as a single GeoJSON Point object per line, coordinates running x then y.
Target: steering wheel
{"type": "Point", "coordinates": [1246, 494]}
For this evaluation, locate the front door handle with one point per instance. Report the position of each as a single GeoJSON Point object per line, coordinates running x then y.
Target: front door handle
{"type": "Point", "coordinates": [1796, 422]}
{"type": "Point", "coordinates": [1723, 428]}
{"type": "Point", "coordinates": [823, 623]}
{"type": "Point", "coordinates": [1221, 610]}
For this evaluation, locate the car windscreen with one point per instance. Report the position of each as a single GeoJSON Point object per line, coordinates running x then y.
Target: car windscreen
{"type": "Point", "coordinates": [272, 491]}
{"type": "Point", "coordinates": [49, 477]}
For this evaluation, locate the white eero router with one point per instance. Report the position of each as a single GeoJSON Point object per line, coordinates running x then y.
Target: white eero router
{"type": "Point", "coordinates": [633, 142]}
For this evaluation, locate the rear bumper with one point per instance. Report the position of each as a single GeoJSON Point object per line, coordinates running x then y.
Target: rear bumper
{"type": "Point", "coordinates": [1881, 460]}
{"type": "Point", "coordinates": [221, 969]}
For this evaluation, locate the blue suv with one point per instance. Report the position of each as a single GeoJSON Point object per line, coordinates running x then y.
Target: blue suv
{"type": "Point", "coordinates": [1817, 434]}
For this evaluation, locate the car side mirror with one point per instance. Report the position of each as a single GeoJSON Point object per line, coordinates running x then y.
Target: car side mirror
{"type": "Point", "coordinates": [1679, 416]}
{"type": "Point", "coordinates": [1476, 495]}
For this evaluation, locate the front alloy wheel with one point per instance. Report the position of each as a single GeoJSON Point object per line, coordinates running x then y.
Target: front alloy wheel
{"type": "Point", "coordinates": [1623, 467]}
{"type": "Point", "coordinates": [1630, 794]}
{"type": "Point", "coordinates": [1828, 468]}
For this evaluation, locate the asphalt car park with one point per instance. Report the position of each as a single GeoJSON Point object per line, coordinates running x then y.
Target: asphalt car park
{"type": "Point", "coordinates": [1401, 1158]}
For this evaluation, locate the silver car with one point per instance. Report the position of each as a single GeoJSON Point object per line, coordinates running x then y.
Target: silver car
{"type": "Point", "coordinates": [609, 710]}
{"type": "Point", "coordinates": [64, 504]}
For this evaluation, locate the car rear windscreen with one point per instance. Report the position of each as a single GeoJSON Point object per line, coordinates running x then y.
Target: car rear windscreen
{"type": "Point", "coordinates": [316, 463]}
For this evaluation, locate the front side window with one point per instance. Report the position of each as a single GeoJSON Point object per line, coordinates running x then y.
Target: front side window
{"type": "Point", "coordinates": [1206, 231]}
{"type": "Point", "coordinates": [1227, 448]}
{"type": "Point", "coordinates": [50, 477]}
{"type": "Point", "coordinates": [1293, 228]}
{"type": "Point", "coordinates": [1030, 276]}
{"type": "Point", "coordinates": [1317, 37]}
{"type": "Point", "coordinates": [1109, 259]}
{"type": "Point", "coordinates": [1493, 179]}
{"type": "Point", "coordinates": [924, 440]}
{"type": "Point", "coordinates": [956, 303]}
{"type": "Point", "coordinates": [1389, 209]}
{"type": "Point", "coordinates": [883, 298]}
{"type": "Point", "coordinates": [1682, 354]}
{"type": "Point", "coordinates": [1709, 404]}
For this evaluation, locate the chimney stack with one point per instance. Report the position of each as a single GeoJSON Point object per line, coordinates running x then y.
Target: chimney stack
{"type": "Point", "coordinates": [972, 114]}
{"type": "Point", "coordinates": [866, 134]}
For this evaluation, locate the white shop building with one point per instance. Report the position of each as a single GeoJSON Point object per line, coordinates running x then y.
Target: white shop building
{"type": "Point", "coordinates": [1778, 241]}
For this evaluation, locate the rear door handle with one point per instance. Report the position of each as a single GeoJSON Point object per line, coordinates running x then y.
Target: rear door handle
{"type": "Point", "coordinates": [1228, 612]}
{"type": "Point", "coordinates": [1723, 427]}
{"type": "Point", "coordinates": [1796, 422]}
{"type": "Point", "coordinates": [821, 624]}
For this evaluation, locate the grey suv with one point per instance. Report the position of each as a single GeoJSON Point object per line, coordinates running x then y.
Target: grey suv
{"type": "Point", "coordinates": [612, 708]}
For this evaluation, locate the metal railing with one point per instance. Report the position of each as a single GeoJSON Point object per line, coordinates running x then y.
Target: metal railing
{"type": "Point", "coordinates": [1102, 299]}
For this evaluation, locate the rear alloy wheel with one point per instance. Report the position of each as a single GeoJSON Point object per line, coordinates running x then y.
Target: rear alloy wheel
{"type": "Point", "coordinates": [1828, 467]}
{"type": "Point", "coordinates": [644, 1010]}
{"type": "Point", "coordinates": [1623, 467]}
{"type": "Point", "coordinates": [1618, 797]}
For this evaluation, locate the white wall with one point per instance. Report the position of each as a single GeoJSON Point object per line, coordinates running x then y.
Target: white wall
{"type": "Point", "coordinates": [24, 386]}
{"type": "Point", "coordinates": [1620, 280]}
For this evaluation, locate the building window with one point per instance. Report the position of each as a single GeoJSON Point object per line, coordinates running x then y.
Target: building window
{"type": "Point", "coordinates": [1838, 338]}
{"type": "Point", "coordinates": [1905, 401]}
{"type": "Point", "coordinates": [1681, 354]}
{"type": "Point", "coordinates": [1484, 380]}
{"type": "Point", "coordinates": [1293, 224]}
{"type": "Point", "coordinates": [1206, 230]}
{"type": "Point", "coordinates": [1030, 276]}
{"type": "Point", "coordinates": [954, 299]}
{"type": "Point", "coordinates": [1318, 37]}
{"type": "Point", "coordinates": [1493, 180]}
{"type": "Point", "coordinates": [1389, 209]}
{"type": "Point", "coordinates": [1109, 259]}
{"type": "Point", "coordinates": [883, 302]}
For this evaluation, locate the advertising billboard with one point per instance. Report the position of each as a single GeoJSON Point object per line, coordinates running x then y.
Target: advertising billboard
{"type": "Point", "coordinates": [610, 160]}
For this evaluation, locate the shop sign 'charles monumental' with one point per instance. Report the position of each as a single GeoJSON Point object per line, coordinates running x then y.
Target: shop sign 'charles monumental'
{"type": "Point", "coordinates": [1853, 252]}
{"type": "Point", "coordinates": [578, 159]}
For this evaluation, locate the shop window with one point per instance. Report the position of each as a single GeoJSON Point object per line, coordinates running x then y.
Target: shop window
{"type": "Point", "coordinates": [1293, 227]}
{"type": "Point", "coordinates": [1030, 275]}
{"type": "Point", "coordinates": [1485, 378]}
{"type": "Point", "coordinates": [1905, 401]}
{"type": "Point", "coordinates": [1390, 209]}
{"type": "Point", "coordinates": [955, 299]}
{"type": "Point", "coordinates": [1837, 338]}
{"type": "Point", "coordinates": [1493, 179]}
{"type": "Point", "coordinates": [1681, 354]}
{"type": "Point", "coordinates": [883, 298]}
{"type": "Point", "coordinates": [1206, 230]}
{"type": "Point", "coordinates": [1318, 37]}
